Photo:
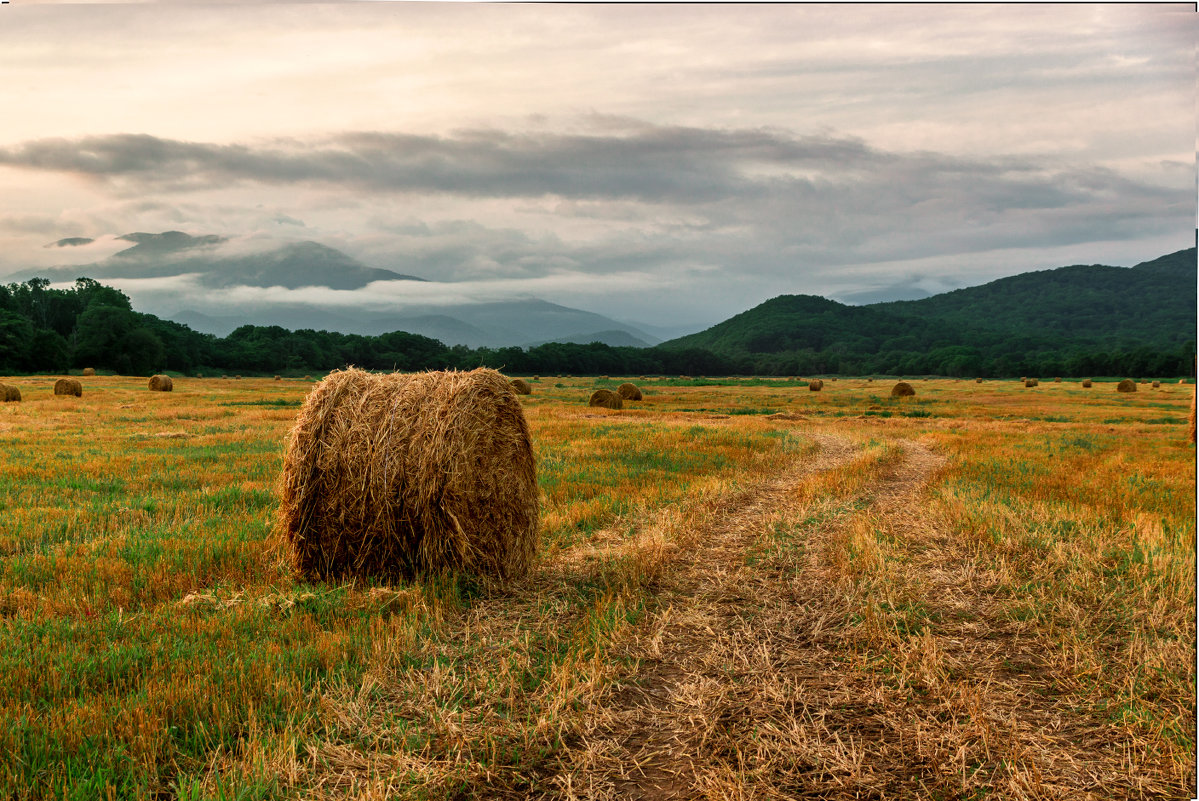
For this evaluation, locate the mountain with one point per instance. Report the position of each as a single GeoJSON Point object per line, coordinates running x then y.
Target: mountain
{"type": "Point", "coordinates": [1153, 302]}
{"type": "Point", "coordinates": [1149, 305]}
{"type": "Point", "coordinates": [474, 325]}
{"type": "Point", "coordinates": [616, 338]}
{"type": "Point", "coordinates": [292, 265]}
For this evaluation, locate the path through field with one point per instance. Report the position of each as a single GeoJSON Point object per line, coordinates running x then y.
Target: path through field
{"type": "Point", "coordinates": [767, 678]}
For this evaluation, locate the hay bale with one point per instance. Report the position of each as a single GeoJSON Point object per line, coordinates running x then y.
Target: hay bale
{"type": "Point", "coordinates": [1127, 385]}
{"type": "Point", "coordinates": [902, 390]}
{"type": "Point", "coordinates": [1057, 380]}
{"type": "Point", "coordinates": [815, 385]}
{"type": "Point", "coordinates": [225, 377]}
{"type": "Point", "coordinates": [10, 393]}
{"type": "Point", "coordinates": [307, 378]}
{"type": "Point", "coordinates": [1157, 385]}
{"type": "Point", "coordinates": [869, 380]}
{"type": "Point", "coordinates": [89, 371]}
{"type": "Point", "coordinates": [402, 474]}
{"type": "Point", "coordinates": [278, 378]}
{"type": "Point", "coordinates": [1031, 382]}
{"type": "Point", "coordinates": [521, 387]}
{"type": "Point", "coordinates": [606, 398]}
{"type": "Point", "coordinates": [68, 386]}
{"type": "Point", "coordinates": [237, 377]}
{"type": "Point", "coordinates": [161, 383]}
{"type": "Point", "coordinates": [978, 380]}
{"type": "Point", "coordinates": [628, 391]}
{"type": "Point", "coordinates": [1086, 384]}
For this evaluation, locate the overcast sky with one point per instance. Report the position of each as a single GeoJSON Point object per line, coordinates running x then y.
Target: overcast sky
{"type": "Point", "coordinates": [673, 163]}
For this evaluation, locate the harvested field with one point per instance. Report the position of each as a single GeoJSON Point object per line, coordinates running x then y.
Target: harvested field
{"type": "Point", "coordinates": [744, 589]}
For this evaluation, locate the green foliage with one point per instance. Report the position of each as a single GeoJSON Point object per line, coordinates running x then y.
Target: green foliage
{"type": "Point", "coordinates": [1074, 321]}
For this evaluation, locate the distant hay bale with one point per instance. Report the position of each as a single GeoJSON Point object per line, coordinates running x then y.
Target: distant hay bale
{"type": "Point", "coordinates": [629, 391]}
{"type": "Point", "coordinates": [278, 378]}
{"type": "Point", "coordinates": [606, 398]}
{"type": "Point", "coordinates": [1023, 378]}
{"type": "Point", "coordinates": [604, 378]}
{"type": "Point", "coordinates": [1182, 380]}
{"type": "Point", "coordinates": [1086, 384]}
{"type": "Point", "coordinates": [161, 383]}
{"type": "Point", "coordinates": [68, 386]}
{"type": "Point", "coordinates": [237, 377]}
{"type": "Point", "coordinates": [978, 380]}
{"type": "Point", "coordinates": [815, 385]}
{"type": "Point", "coordinates": [403, 474]}
{"type": "Point", "coordinates": [1157, 385]}
{"type": "Point", "coordinates": [902, 390]}
{"type": "Point", "coordinates": [1127, 385]}
{"type": "Point", "coordinates": [536, 378]}
{"type": "Point", "coordinates": [1057, 380]}
{"type": "Point", "coordinates": [521, 387]}
{"type": "Point", "coordinates": [199, 375]}
{"type": "Point", "coordinates": [11, 394]}
{"type": "Point", "coordinates": [89, 371]}
{"type": "Point", "coordinates": [869, 380]}
{"type": "Point", "coordinates": [1031, 382]}
{"type": "Point", "coordinates": [225, 377]}
{"type": "Point", "coordinates": [307, 378]}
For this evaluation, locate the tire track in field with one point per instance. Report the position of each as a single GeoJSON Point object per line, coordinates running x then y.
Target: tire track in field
{"type": "Point", "coordinates": [767, 683]}
{"type": "Point", "coordinates": [645, 747]}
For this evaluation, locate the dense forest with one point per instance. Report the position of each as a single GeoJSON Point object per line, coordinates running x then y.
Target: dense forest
{"type": "Point", "coordinates": [1075, 321]}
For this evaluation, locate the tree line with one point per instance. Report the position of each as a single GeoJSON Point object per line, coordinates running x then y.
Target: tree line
{"type": "Point", "coordinates": [48, 330]}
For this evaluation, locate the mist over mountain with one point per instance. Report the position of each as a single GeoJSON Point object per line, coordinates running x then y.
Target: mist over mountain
{"type": "Point", "coordinates": [292, 265]}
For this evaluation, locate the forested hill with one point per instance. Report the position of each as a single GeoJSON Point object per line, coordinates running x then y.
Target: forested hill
{"type": "Point", "coordinates": [1076, 320]}
{"type": "Point", "coordinates": [1152, 303]}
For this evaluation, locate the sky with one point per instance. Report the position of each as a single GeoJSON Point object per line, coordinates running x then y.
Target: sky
{"type": "Point", "coordinates": [667, 164]}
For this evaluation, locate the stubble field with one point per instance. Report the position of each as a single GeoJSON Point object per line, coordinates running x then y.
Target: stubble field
{"type": "Point", "coordinates": [744, 590]}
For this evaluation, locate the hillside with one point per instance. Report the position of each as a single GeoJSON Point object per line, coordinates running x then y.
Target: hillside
{"type": "Point", "coordinates": [1151, 303]}
{"type": "Point", "coordinates": [1047, 318]}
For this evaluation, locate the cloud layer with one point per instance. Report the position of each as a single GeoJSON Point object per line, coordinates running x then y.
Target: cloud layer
{"type": "Point", "coordinates": [708, 156]}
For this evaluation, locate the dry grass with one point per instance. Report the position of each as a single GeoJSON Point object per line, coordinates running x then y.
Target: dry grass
{"type": "Point", "coordinates": [745, 591]}
{"type": "Point", "coordinates": [398, 474]}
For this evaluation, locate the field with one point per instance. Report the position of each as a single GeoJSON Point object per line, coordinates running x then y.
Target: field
{"type": "Point", "coordinates": [744, 590]}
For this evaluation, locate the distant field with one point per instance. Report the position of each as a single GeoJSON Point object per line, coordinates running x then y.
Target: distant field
{"type": "Point", "coordinates": [745, 590]}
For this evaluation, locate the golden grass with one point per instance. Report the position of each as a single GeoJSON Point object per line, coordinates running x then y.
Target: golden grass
{"type": "Point", "coordinates": [745, 591]}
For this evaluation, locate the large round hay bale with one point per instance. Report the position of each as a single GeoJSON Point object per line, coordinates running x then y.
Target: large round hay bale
{"type": "Point", "coordinates": [1031, 382]}
{"type": "Point", "coordinates": [1086, 384]}
{"type": "Point", "coordinates": [1157, 385]}
{"type": "Point", "coordinates": [815, 385]}
{"type": "Point", "coordinates": [68, 386]}
{"type": "Point", "coordinates": [902, 390]}
{"type": "Point", "coordinates": [89, 371]}
{"type": "Point", "coordinates": [10, 393]}
{"type": "Point", "coordinates": [1127, 385]}
{"type": "Point", "coordinates": [521, 387]}
{"type": "Point", "coordinates": [161, 383]}
{"type": "Point", "coordinates": [629, 391]}
{"type": "Point", "coordinates": [399, 474]}
{"type": "Point", "coordinates": [606, 398]}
